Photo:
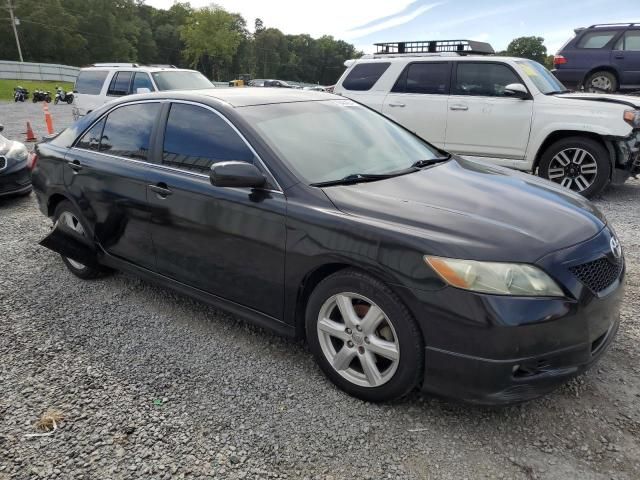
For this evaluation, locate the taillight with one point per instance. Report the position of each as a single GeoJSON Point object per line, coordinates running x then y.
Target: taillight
{"type": "Point", "coordinates": [559, 60]}
{"type": "Point", "coordinates": [31, 161]}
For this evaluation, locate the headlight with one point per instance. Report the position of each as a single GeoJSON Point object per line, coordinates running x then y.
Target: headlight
{"type": "Point", "coordinates": [632, 117]}
{"type": "Point", "coordinates": [18, 152]}
{"type": "Point", "coordinates": [495, 277]}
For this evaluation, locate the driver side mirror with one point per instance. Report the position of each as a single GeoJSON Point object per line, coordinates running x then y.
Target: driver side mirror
{"type": "Point", "coordinates": [236, 175]}
{"type": "Point", "coordinates": [516, 90]}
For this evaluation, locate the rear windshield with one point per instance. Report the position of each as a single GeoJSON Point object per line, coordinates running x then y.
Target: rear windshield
{"type": "Point", "coordinates": [181, 80]}
{"type": "Point", "coordinates": [596, 39]}
{"type": "Point", "coordinates": [364, 76]}
{"type": "Point", "coordinates": [90, 81]}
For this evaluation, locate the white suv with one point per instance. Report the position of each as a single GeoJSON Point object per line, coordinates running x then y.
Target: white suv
{"type": "Point", "coordinates": [103, 82]}
{"type": "Point", "coordinates": [509, 111]}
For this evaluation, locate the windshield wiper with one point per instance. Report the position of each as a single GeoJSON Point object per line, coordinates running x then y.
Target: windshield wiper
{"type": "Point", "coordinates": [431, 161]}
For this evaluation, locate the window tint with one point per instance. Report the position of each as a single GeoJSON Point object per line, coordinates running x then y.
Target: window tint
{"type": "Point", "coordinates": [181, 80]}
{"type": "Point", "coordinates": [630, 41]}
{"type": "Point", "coordinates": [196, 138]}
{"type": "Point", "coordinates": [91, 139]}
{"type": "Point", "coordinates": [120, 84]}
{"type": "Point", "coordinates": [424, 78]}
{"type": "Point", "coordinates": [364, 76]}
{"type": "Point", "coordinates": [142, 80]}
{"type": "Point", "coordinates": [90, 81]}
{"type": "Point", "coordinates": [128, 130]}
{"type": "Point", "coordinates": [595, 39]}
{"type": "Point", "coordinates": [483, 79]}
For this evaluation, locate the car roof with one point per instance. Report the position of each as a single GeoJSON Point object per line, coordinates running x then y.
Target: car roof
{"type": "Point", "coordinates": [434, 58]}
{"type": "Point", "coordinates": [242, 96]}
{"type": "Point", "coordinates": [140, 68]}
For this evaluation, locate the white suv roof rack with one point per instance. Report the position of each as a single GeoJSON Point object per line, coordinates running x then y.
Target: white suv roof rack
{"type": "Point", "coordinates": [433, 47]}
{"type": "Point", "coordinates": [116, 65]}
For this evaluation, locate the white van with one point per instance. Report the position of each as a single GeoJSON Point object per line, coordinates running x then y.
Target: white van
{"type": "Point", "coordinates": [102, 82]}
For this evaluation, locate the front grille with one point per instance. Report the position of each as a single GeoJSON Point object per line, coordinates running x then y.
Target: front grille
{"type": "Point", "coordinates": [3, 163]}
{"type": "Point", "coordinates": [599, 274]}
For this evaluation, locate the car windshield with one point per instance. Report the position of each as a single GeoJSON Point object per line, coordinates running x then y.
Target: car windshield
{"type": "Point", "coordinates": [325, 141]}
{"type": "Point", "coordinates": [541, 77]}
{"type": "Point", "coordinates": [181, 80]}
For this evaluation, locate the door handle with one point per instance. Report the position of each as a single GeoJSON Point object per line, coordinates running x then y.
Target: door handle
{"type": "Point", "coordinates": [161, 189]}
{"type": "Point", "coordinates": [619, 55]}
{"type": "Point", "coordinates": [458, 107]}
{"type": "Point", "coordinates": [75, 165]}
{"type": "Point", "coordinates": [399, 105]}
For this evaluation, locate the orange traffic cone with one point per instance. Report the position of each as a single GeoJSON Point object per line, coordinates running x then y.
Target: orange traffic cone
{"type": "Point", "coordinates": [47, 118]}
{"type": "Point", "coordinates": [30, 136]}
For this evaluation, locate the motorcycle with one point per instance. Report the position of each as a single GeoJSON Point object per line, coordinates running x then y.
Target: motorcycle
{"type": "Point", "coordinates": [62, 96]}
{"type": "Point", "coordinates": [20, 94]}
{"type": "Point", "coordinates": [41, 96]}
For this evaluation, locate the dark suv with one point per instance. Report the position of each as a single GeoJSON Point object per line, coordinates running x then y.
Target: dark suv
{"type": "Point", "coordinates": [601, 58]}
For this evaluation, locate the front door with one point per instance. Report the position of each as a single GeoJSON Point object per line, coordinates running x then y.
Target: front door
{"type": "Point", "coordinates": [626, 58]}
{"type": "Point", "coordinates": [418, 100]}
{"type": "Point", "coordinates": [482, 119]}
{"type": "Point", "coordinates": [106, 174]}
{"type": "Point", "coordinates": [226, 241]}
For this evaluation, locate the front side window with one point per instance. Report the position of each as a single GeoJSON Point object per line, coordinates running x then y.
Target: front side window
{"type": "Point", "coordinates": [364, 76]}
{"type": "Point", "coordinates": [91, 139]}
{"type": "Point", "coordinates": [596, 39]}
{"type": "Point", "coordinates": [483, 79]}
{"type": "Point", "coordinates": [119, 85]}
{"type": "Point", "coordinates": [630, 41]}
{"type": "Point", "coordinates": [195, 138]}
{"type": "Point", "coordinates": [328, 140]}
{"type": "Point", "coordinates": [142, 80]}
{"type": "Point", "coordinates": [127, 131]}
{"type": "Point", "coordinates": [425, 78]}
{"type": "Point", "coordinates": [181, 80]}
{"type": "Point", "coordinates": [90, 82]}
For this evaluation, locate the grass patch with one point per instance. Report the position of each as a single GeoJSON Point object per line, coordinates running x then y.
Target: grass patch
{"type": "Point", "coordinates": [7, 86]}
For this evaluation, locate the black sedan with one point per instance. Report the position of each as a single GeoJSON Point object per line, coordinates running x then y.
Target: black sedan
{"type": "Point", "coordinates": [311, 215]}
{"type": "Point", "coordinates": [15, 178]}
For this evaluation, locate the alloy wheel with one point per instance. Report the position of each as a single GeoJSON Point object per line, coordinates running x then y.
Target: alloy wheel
{"type": "Point", "coordinates": [358, 339]}
{"type": "Point", "coordinates": [71, 221]}
{"type": "Point", "coordinates": [600, 84]}
{"type": "Point", "coordinates": [573, 168]}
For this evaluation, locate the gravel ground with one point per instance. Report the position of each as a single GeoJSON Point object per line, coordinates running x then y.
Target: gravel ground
{"type": "Point", "coordinates": [154, 385]}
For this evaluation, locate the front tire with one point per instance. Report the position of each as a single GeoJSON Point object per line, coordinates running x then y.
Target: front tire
{"type": "Point", "coordinates": [601, 82]}
{"type": "Point", "coordinates": [580, 164]}
{"type": "Point", "coordinates": [363, 337]}
{"type": "Point", "coordinates": [55, 101]}
{"type": "Point", "coordinates": [65, 212]}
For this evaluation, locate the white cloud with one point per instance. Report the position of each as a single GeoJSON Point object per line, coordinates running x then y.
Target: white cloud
{"type": "Point", "coordinates": [322, 17]}
{"type": "Point", "coordinates": [389, 23]}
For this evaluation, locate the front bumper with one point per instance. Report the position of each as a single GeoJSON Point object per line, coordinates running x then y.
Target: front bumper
{"type": "Point", "coordinates": [627, 157]}
{"type": "Point", "coordinates": [493, 349]}
{"type": "Point", "coordinates": [15, 180]}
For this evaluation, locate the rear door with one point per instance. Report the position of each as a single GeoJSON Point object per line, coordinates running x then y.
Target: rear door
{"type": "Point", "coordinates": [418, 100]}
{"type": "Point", "coordinates": [87, 90]}
{"type": "Point", "coordinates": [226, 241]}
{"type": "Point", "coordinates": [360, 84]}
{"type": "Point", "coordinates": [626, 58]}
{"type": "Point", "coordinates": [106, 175]}
{"type": "Point", "coordinates": [482, 120]}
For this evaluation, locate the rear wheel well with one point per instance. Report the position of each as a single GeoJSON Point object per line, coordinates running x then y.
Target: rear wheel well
{"type": "Point", "coordinates": [54, 200]}
{"type": "Point", "coordinates": [560, 134]}
{"type": "Point", "coordinates": [603, 68]}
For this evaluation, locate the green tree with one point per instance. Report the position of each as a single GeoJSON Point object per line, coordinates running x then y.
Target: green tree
{"type": "Point", "coordinates": [528, 47]}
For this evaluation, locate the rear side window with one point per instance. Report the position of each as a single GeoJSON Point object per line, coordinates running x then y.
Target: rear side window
{"type": "Point", "coordinates": [425, 78]}
{"type": "Point", "coordinates": [119, 85]}
{"type": "Point", "coordinates": [142, 80]}
{"type": "Point", "coordinates": [364, 76]}
{"type": "Point", "coordinates": [595, 39]}
{"type": "Point", "coordinates": [196, 138]}
{"type": "Point", "coordinates": [90, 82]}
{"type": "Point", "coordinates": [127, 131]}
{"type": "Point", "coordinates": [91, 139]}
{"type": "Point", "coordinates": [483, 79]}
{"type": "Point", "coordinates": [630, 41]}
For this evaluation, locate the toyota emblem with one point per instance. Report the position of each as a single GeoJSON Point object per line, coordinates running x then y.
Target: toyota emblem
{"type": "Point", "coordinates": [616, 248]}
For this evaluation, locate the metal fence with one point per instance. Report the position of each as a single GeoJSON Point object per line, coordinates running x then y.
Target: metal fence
{"type": "Point", "coordinates": [37, 71]}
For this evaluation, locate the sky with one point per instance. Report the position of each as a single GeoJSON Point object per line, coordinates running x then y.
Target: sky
{"type": "Point", "coordinates": [364, 22]}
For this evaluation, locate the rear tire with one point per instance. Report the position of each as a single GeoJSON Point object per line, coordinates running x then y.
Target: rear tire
{"type": "Point", "coordinates": [601, 82]}
{"type": "Point", "coordinates": [374, 350]}
{"type": "Point", "coordinates": [578, 163]}
{"type": "Point", "coordinates": [66, 212]}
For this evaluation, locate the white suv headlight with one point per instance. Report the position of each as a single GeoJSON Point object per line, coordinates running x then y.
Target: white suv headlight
{"type": "Point", "coordinates": [495, 277]}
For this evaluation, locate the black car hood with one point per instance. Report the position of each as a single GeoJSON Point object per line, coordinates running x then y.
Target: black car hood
{"type": "Point", "coordinates": [467, 209]}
